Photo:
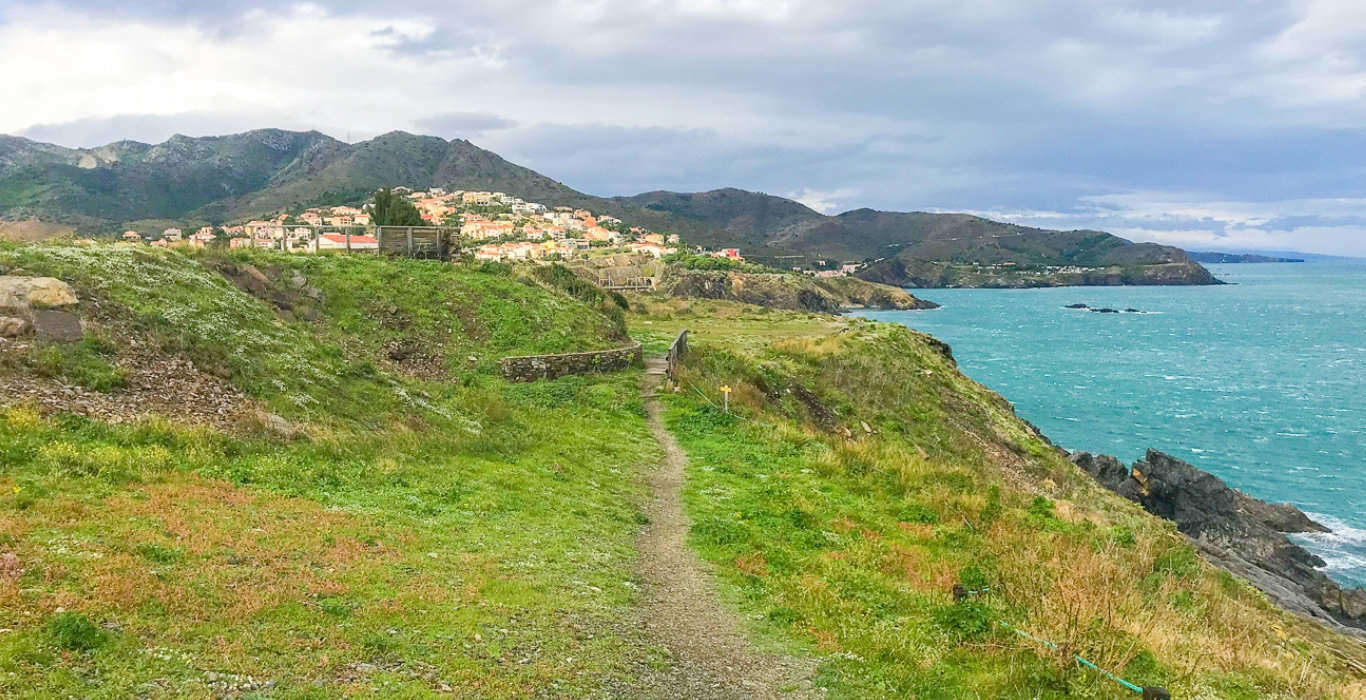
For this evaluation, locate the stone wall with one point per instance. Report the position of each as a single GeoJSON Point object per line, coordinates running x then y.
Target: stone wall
{"type": "Point", "coordinates": [532, 367]}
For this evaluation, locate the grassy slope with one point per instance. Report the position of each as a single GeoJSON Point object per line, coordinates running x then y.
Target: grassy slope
{"type": "Point", "coordinates": [419, 535]}
{"type": "Point", "coordinates": [423, 533]}
{"type": "Point", "coordinates": [849, 546]}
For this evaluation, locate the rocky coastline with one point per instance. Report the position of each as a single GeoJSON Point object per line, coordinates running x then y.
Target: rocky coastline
{"type": "Point", "coordinates": [788, 291]}
{"type": "Point", "coordinates": [926, 274]}
{"type": "Point", "coordinates": [1240, 534]}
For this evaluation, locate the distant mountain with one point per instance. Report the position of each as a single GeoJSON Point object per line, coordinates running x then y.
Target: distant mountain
{"type": "Point", "coordinates": [227, 178]}
{"type": "Point", "coordinates": [1223, 258]}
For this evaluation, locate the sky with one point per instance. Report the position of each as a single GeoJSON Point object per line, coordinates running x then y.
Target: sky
{"type": "Point", "coordinates": [1209, 125]}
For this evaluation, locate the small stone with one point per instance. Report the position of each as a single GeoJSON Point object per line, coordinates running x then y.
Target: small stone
{"type": "Point", "coordinates": [57, 326]}
{"type": "Point", "coordinates": [13, 326]}
{"type": "Point", "coordinates": [276, 424]}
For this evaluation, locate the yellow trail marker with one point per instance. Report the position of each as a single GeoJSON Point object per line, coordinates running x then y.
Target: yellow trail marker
{"type": "Point", "coordinates": [725, 397]}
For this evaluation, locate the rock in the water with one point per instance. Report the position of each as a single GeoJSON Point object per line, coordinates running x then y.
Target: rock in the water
{"type": "Point", "coordinates": [21, 293]}
{"type": "Point", "coordinates": [13, 326]}
{"type": "Point", "coordinates": [58, 326]}
{"type": "Point", "coordinates": [1240, 533]}
{"type": "Point", "coordinates": [1076, 306]}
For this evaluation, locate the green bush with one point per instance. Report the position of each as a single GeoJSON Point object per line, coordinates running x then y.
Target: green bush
{"type": "Point", "coordinates": [964, 621]}
{"type": "Point", "coordinates": [992, 511]}
{"type": "Point", "coordinates": [85, 363]}
{"type": "Point", "coordinates": [74, 632]}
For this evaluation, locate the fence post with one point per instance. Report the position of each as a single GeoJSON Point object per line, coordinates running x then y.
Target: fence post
{"type": "Point", "coordinates": [410, 241]}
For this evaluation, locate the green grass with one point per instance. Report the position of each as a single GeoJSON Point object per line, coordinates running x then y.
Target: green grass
{"type": "Point", "coordinates": [88, 363]}
{"type": "Point", "coordinates": [849, 547]}
{"type": "Point", "coordinates": [431, 528]}
{"type": "Point", "coordinates": [393, 563]}
{"type": "Point", "coordinates": [457, 322]}
{"type": "Point", "coordinates": [417, 533]}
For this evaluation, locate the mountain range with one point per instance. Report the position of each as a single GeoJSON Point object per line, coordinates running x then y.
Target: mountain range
{"type": "Point", "coordinates": [220, 179]}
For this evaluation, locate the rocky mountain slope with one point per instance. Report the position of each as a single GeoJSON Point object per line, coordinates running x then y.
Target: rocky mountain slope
{"type": "Point", "coordinates": [224, 178]}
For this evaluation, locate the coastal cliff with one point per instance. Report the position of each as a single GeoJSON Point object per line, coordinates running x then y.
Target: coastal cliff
{"type": "Point", "coordinates": [934, 274]}
{"type": "Point", "coordinates": [1241, 534]}
{"type": "Point", "coordinates": [788, 291]}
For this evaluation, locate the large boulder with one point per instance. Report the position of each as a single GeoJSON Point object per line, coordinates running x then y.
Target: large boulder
{"type": "Point", "coordinates": [22, 293]}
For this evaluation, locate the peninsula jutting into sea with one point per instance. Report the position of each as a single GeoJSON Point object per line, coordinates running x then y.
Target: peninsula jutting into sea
{"type": "Point", "coordinates": [682, 350]}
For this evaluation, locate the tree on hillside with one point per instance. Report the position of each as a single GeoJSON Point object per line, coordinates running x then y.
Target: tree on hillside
{"type": "Point", "coordinates": [389, 209]}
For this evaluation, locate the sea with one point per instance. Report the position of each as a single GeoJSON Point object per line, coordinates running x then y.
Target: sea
{"type": "Point", "coordinates": [1261, 382]}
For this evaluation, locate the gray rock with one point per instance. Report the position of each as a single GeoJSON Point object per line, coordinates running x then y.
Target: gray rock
{"type": "Point", "coordinates": [276, 424]}
{"type": "Point", "coordinates": [1237, 532]}
{"type": "Point", "coordinates": [13, 326]}
{"type": "Point", "coordinates": [57, 326]}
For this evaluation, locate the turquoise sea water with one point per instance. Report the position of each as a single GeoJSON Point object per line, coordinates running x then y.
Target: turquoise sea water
{"type": "Point", "coordinates": [1261, 382]}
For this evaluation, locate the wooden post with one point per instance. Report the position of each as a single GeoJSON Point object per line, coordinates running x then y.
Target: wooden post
{"type": "Point", "coordinates": [410, 241]}
{"type": "Point", "coordinates": [348, 241]}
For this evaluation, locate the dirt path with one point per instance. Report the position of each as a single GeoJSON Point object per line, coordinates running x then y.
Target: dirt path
{"type": "Point", "coordinates": [710, 658]}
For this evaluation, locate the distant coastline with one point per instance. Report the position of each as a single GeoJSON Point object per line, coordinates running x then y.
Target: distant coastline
{"type": "Point", "coordinates": [1227, 258]}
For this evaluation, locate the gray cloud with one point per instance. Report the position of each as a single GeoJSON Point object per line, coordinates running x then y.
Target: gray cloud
{"type": "Point", "coordinates": [1154, 118]}
{"type": "Point", "coordinates": [463, 124]}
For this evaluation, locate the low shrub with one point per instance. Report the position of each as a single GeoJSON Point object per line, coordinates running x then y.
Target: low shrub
{"type": "Point", "coordinates": [74, 632]}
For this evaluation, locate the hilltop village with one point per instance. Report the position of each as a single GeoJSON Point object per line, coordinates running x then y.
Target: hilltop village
{"type": "Point", "coordinates": [504, 227]}
{"type": "Point", "coordinates": [494, 226]}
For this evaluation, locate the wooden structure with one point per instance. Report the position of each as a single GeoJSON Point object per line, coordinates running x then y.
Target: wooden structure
{"type": "Point", "coordinates": [677, 351]}
{"type": "Point", "coordinates": [427, 242]}
{"type": "Point", "coordinates": [628, 284]}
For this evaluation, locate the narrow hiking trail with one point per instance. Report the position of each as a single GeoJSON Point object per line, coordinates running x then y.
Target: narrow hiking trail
{"type": "Point", "coordinates": [710, 657]}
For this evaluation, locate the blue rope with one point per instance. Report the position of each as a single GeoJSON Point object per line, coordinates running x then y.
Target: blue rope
{"type": "Point", "coordinates": [1078, 657]}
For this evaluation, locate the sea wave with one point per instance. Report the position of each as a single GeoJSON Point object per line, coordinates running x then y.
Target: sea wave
{"type": "Point", "coordinates": [1344, 549]}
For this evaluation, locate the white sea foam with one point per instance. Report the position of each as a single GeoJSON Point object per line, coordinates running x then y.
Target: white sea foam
{"type": "Point", "coordinates": [1344, 549]}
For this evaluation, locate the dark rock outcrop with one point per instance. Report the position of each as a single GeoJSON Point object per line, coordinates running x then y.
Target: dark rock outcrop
{"type": "Point", "coordinates": [1237, 532]}
{"type": "Point", "coordinates": [292, 297]}
{"type": "Point", "coordinates": [787, 291]}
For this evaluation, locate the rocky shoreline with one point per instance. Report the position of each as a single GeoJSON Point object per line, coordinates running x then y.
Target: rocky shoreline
{"type": "Point", "coordinates": [1236, 532]}
{"type": "Point", "coordinates": [925, 274]}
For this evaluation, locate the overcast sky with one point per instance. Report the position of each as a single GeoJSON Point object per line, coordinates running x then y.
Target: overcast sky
{"type": "Point", "coordinates": [1212, 125]}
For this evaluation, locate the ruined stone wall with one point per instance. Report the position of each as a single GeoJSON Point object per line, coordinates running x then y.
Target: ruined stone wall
{"type": "Point", "coordinates": [529, 368]}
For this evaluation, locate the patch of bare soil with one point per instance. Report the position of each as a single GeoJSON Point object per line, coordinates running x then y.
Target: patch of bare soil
{"type": "Point", "coordinates": [155, 384]}
{"type": "Point", "coordinates": [709, 656]}
{"type": "Point", "coordinates": [32, 230]}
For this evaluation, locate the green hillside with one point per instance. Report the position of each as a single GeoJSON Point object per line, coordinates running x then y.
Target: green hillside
{"type": "Point", "coordinates": [263, 475]}
{"type": "Point", "coordinates": [231, 178]}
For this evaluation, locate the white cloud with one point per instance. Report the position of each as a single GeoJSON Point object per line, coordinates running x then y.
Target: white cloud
{"type": "Point", "coordinates": [824, 201]}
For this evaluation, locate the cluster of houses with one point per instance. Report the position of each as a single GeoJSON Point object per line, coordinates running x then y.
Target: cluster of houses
{"type": "Point", "coordinates": [499, 226]}
{"type": "Point", "coordinates": [274, 234]}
